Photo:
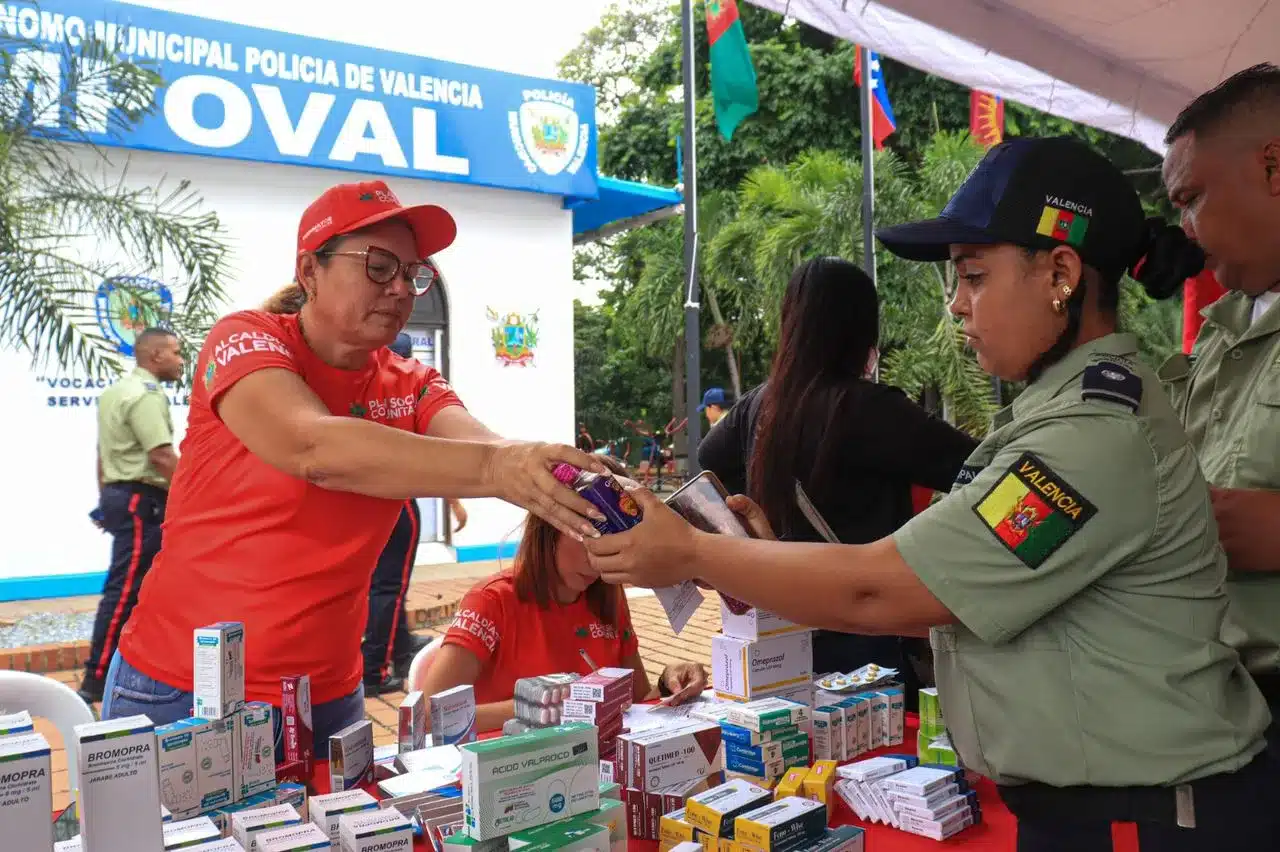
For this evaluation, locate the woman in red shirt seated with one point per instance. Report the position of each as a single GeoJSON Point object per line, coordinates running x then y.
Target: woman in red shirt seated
{"type": "Point", "coordinates": [305, 436]}
{"type": "Point", "coordinates": [539, 618]}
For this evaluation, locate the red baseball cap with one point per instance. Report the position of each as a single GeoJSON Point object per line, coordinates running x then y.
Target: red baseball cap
{"type": "Point", "coordinates": [349, 207]}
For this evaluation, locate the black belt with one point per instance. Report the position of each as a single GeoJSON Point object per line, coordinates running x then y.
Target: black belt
{"type": "Point", "coordinates": [1045, 803]}
{"type": "Point", "coordinates": [145, 488]}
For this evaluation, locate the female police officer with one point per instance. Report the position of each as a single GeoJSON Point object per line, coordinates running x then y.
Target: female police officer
{"type": "Point", "coordinates": [1073, 578]}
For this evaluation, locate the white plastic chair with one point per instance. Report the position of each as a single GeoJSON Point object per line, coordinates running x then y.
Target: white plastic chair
{"type": "Point", "coordinates": [46, 698]}
{"type": "Point", "coordinates": [420, 662]}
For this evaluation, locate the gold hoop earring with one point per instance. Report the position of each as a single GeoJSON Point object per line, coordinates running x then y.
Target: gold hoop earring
{"type": "Point", "coordinates": [1057, 306]}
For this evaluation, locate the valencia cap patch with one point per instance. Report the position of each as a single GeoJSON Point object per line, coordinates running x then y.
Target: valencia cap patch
{"type": "Point", "coordinates": [1033, 511]}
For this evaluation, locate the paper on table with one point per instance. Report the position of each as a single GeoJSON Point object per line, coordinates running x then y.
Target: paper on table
{"type": "Point", "coordinates": [679, 603]}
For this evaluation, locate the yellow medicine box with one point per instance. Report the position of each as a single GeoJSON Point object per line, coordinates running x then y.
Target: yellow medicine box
{"type": "Point", "coordinates": [821, 781]}
{"type": "Point", "coordinates": [792, 784]}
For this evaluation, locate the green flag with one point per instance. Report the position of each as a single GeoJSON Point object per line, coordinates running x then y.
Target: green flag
{"type": "Point", "coordinates": [733, 77]}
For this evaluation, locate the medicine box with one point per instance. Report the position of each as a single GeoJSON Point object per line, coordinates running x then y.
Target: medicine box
{"type": "Point", "coordinates": [294, 795]}
{"type": "Point", "coordinates": [226, 844]}
{"type": "Point", "coordinates": [782, 825]}
{"type": "Point", "coordinates": [755, 624]}
{"type": "Point", "coordinates": [328, 809]}
{"type": "Point", "coordinates": [453, 716]}
{"type": "Point", "coordinates": [295, 838]}
{"type": "Point", "coordinates": [119, 802]}
{"type": "Point", "coordinates": [375, 831]}
{"type": "Point", "coordinates": [612, 815]}
{"type": "Point", "coordinates": [746, 738]}
{"type": "Point", "coordinates": [179, 834]}
{"type": "Point", "coordinates": [715, 810]}
{"type": "Point", "coordinates": [295, 717]}
{"type": "Point", "coordinates": [604, 686]}
{"type": "Point", "coordinates": [256, 753]}
{"type": "Point", "coordinates": [828, 733]}
{"type": "Point", "coordinates": [246, 826]}
{"type": "Point", "coordinates": [16, 723]}
{"type": "Point", "coordinates": [789, 748]}
{"type": "Point", "coordinates": [566, 836]}
{"type": "Point", "coordinates": [769, 714]}
{"type": "Point", "coordinates": [218, 683]}
{"type": "Point", "coordinates": [176, 745]}
{"type": "Point", "coordinates": [820, 782]}
{"type": "Point", "coordinates": [857, 725]}
{"type": "Point", "coordinates": [930, 709]}
{"type": "Point", "coordinates": [531, 779]}
{"type": "Point", "coordinates": [351, 756]}
{"type": "Point", "coordinates": [26, 792]}
{"type": "Point", "coordinates": [792, 783]}
{"type": "Point", "coordinates": [845, 838]}
{"type": "Point", "coordinates": [216, 743]}
{"type": "Point", "coordinates": [412, 723]}
{"type": "Point", "coordinates": [741, 668]}
{"type": "Point", "coordinates": [660, 757]}
{"type": "Point", "coordinates": [895, 729]}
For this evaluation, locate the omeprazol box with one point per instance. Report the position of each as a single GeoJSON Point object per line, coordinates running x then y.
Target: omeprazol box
{"type": "Point", "coordinates": [26, 792]}
{"type": "Point", "coordinates": [180, 834]}
{"type": "Point", "coordinates": [715, 810]}
{"type": "Point", "coordinates": [219, 670]}
{"type": "Point", "coordinates": [247, 826]}
{"type": "Point", "coordinates": [528, 780]}
{"type": "Point", "coordinates": [769, 714]}
{"type": "Point", "coordinates": [256, 750]}
{"type": "Point", "coordinates": [295, 838]}
{"type": "Point", "coordinates": [328, 809]}
{"type": "Point", "coordinates": [755, 624]}
{"type": "Point", "coordinates": [119, 786]}
{"type": "Point", "coordinates": [743, 669]}
{"type": "Point", "coordinates": [375, 831]}
{"type": "Point", "coordinates": [783, 825]}
{"type": "Point", "coordinates": [453, 716]}
{"type": "Point", "coordinates": [16, 723]}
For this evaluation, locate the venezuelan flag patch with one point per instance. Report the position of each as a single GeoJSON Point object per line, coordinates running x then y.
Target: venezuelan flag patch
{"type": "Point", "coordinates": [1033, 511]}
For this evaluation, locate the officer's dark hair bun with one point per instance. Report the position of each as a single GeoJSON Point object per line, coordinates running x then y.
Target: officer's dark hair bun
{"type": "Point", "coordinates": [1167, 257]}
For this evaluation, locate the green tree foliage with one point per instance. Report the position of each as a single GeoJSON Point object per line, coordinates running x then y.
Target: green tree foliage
{"type": "Point", "coordinates": [788, 187]}
{"type": "Point", "coordinates": [69, 220]}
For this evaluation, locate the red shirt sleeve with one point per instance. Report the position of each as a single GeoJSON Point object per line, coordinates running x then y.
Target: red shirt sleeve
{"type": "Point", "coordinates": [477, 624]}
{"type": "Point", "coordinates": [240, 344]}
{"type": "Point", "coordinates": [434, 394]}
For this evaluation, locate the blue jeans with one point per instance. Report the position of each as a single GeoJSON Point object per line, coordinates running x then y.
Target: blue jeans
{"type": "Point", "coordinates": [128, 692]}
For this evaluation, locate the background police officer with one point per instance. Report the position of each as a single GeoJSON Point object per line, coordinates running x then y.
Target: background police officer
{"type": "Point", "coordinates": [136, 460]}
{"type": "Point", "coordinates": [388, 646]}
{"type": "Point", "coordinates": [1073, 578]}
{"type": "Point", "coordinates": [1223, 172]}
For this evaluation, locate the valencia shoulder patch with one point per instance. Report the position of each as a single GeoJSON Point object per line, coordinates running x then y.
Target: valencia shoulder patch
{"type": "Point", "coordinates": [1033, 511]}
{"type": "Point", "coordinates": [1111, 382]}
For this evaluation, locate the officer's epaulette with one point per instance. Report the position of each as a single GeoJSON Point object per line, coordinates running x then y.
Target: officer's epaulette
{"type": "Point", "coordinates": [1112, 382]}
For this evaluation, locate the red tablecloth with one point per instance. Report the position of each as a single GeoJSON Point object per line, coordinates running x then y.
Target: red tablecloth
{"type": "Point", "coordinates": [998, 831]}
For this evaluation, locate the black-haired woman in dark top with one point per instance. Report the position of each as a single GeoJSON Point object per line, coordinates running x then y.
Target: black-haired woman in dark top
{"type": "Point", "coordinates": [856, 446]}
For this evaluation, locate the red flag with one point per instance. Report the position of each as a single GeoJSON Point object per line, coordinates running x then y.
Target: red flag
{"type": "Point", "coordinates": [1198, 293]}
{"type": "Point", "coordinates": [986, 118]}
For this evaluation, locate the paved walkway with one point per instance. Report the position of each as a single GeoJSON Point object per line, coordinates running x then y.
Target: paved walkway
{"type": "Point", "coordinates": [658, 648]}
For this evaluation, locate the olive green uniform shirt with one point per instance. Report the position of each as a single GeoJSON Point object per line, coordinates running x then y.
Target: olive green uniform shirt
{"type": "Point", "coordinates": [133, 419]}
{"type": "Point", "coordinates": [1228, 394]}
{"type": "Point", "coordinates": [1079, 554]}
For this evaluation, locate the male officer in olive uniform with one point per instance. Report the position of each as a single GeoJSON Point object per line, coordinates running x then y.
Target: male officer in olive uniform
{"type": "Point", "coordinates": [136, 461]}
{"type": "Point", "coordinates": [1223, 172]}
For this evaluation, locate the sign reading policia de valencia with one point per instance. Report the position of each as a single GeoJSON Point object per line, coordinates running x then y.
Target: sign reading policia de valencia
{"type": "Point", "coordinates": [255, 94]}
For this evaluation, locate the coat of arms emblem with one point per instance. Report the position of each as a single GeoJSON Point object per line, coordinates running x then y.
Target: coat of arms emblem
{"type": "Point", "coordinates": [547, 133]}
{"type": "Point", "coordinates": [515, 336]}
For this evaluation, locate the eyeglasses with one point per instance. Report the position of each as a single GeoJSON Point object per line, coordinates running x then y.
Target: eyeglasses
{"type": "Point", "coordinates": [383, 266]}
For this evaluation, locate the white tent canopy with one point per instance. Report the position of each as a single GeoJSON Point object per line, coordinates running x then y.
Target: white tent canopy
{"type": "Point", "coordinates": [1127, 66]}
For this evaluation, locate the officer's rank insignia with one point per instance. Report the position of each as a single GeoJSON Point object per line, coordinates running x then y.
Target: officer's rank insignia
{"type": "Point", "coordinates": [1112, 382]}
{"type": "Point", "coordinates": [1033, 511]}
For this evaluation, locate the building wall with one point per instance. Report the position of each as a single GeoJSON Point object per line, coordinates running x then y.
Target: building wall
{"type": "Point", "coordinates": [513, 255]}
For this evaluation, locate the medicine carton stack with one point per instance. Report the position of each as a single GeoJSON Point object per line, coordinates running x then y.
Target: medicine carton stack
{"type": "Point", "coordinates": [660, 768]}
{"type": "Point", "coordinates": [738, 816]}
{"type": "Point", "coordinates": [600, 699]}
{"type": "Point", "coordinates": [765, 738]}
{"type": "Point", "coordinates": [761, 655]}
{"type": "Point", "coordinates": [539, 702]}
{"type": "Point", "coordinates": [896, 790]}
{"type": "Point", "coordinates": [855, 720]}
{"type": "Point", "coordinates": [933, 745]}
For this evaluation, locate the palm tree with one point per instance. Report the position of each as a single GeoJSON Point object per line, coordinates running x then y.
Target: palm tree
{"type": "Point", "coordinates": [66, 228]}
{"type": "Point", "coordinates": [814, 207]}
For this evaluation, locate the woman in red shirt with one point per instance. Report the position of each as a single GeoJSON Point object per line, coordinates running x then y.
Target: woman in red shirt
{"type": "Point", "coordinates": [305, 437]}
{"type": "Point", "coordinates": [539, 619]}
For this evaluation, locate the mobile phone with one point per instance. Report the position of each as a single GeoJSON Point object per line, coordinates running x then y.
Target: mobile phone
{"type": "Point", "coordinates": [703, 502]}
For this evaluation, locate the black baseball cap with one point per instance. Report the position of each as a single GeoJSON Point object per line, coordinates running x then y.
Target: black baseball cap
{"type": "Point", "coordinates": [1037, 193]}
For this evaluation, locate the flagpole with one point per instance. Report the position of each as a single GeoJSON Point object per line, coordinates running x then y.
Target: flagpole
{"type": "Point", "coordinates": [866, 93]}
{"type": "Point", "coordinates": [692, 327]}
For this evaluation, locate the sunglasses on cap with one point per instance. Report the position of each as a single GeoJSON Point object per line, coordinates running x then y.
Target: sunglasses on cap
{"type": "Point", "coordinates": [383, 266]}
